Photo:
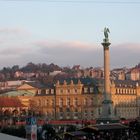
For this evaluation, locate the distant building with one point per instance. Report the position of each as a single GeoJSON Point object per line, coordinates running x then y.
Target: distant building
{"type": "Point", "coordinates": [55, 73]}
{"type": "Point", "coordinates": [96, 73]}
{"type": "Point", "coordinates": [11, 107]}
{"type": "Point", "coordinates": [119, 74]}
{"type": "Point", "coordinates": [11, 85]}
{"type": "Point", "coordinates": [76, 67]}
{"type": "Point", "coordinates": [133, 74]}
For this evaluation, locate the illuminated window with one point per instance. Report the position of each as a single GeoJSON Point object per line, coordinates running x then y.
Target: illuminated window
{"type": "Point", "coordinates": [47, 91]}
{"type": "Point", "coordinates": [52, 91]}
{"type": "Point", "coordinates": [39, 91]}
{"type": "Point", "coordinates": [85, 90]}
{"type": "Point", "coordinates": [91, 89]}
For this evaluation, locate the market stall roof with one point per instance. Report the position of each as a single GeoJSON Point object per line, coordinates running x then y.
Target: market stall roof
{"type": "Point", "coordinates": [104, 127]}
{"type": "Point", "coordinates": [76, 133]}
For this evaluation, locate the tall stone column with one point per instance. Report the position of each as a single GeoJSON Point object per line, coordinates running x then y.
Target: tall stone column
{"type": "Point", "coordinates": [107, 114]}
{"type": "Point", "coordinates": [107, 108]}
{"type": "Point", "coordinates": [106, 67]}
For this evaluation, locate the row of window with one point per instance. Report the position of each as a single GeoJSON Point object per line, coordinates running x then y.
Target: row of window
{"type": "Point", "coordinates": [76, 102]}
{"type": "Point", "coordinates": [125, 91]}
{"type": "Point", "coordinates": [68, 102]}
{"type": "Point", "coordinates": [51, 91]}
{"type": "Point", "coordinates": [72, 114]}
{"type": "Point", "coordinates": [75, 114]}
{"type": "Point", "coordinates": [47, 91]}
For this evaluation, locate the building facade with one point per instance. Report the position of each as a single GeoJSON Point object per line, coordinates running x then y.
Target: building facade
{"type": "Point", "coordinates": [81, 99]}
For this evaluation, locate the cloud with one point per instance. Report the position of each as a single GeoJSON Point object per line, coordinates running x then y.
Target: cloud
{"type": "Point", "coordinates": [65, 44]}
{"type": "Point", "coordinates": [17, 46]}
{"type": "Point", "coordinates": [128, 46]}
{"type": "Point", "coordinates": [126, 54]}
{"type": "Point", "coordinates": [16, 31]}
{"type": "Point", "coordinates": [68, 52]}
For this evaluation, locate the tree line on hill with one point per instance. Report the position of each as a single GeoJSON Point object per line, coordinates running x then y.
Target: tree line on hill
{"type": "Point", "coordinates": [8, 73]}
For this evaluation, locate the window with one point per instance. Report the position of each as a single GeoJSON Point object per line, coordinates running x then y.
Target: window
{"type": "Point", "coordinates": [61, 115]}
{"type": "Point", "coordinates": [75, 102]}
{"type": "Point", "coordinates": [52, 102]}
{"type": "Point", "coordinates": [60, 109]}
{"type": "Point", "coordinates": [91, 101]}
{"type": "Point", "coordinates": [85, 102]}
{"type": "Point", "coordinates": [75, 114]}
{"type": "Point", "coordinates": [39, 91]}
{"type": "Point", "coordinates": [47, 102]}
{"type": "Point", "coordinates": [67, 109]}
{"type": "Point", "coordinates": [61, 102]}
{"type": "Point", "coordinates": [91, 89]}
{"type": "Point", "coordinates": [68, 101]}
{"type": "Point", "coordinates": [61, 91]}
{"type": "Point", "coordinates": [85, 90]}
{"type": "Point", "coordinates": [134, 91]}
{"type": "Point", "coordinates": [52, 91]}
{"type": "Point", "coordinates": [47, 91]}
{"type": "Point", "coordinates": [68, 90]}
{"type": "Point", "coordinates": [85, 113]}
{"type": "Point", "coordinates": [75, 90]}
{"type": "Point", "coordinates": [92, 113]}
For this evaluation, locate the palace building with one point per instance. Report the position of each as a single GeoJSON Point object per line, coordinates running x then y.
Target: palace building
{"type": "Point", "coordinates": [79, 99]}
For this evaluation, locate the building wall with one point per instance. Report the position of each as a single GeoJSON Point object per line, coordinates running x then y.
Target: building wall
{"type": "Point", "coordinates": [77, 101]}
{"type": "Point", "coordinates": [126, 101]}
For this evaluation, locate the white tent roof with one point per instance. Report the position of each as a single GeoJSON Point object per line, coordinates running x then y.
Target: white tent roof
{"type": "Point", "coordinates": [9, 137]}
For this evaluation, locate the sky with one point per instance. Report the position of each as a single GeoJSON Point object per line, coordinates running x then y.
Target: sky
{"type": "Point", "coordinates": [69, 32]}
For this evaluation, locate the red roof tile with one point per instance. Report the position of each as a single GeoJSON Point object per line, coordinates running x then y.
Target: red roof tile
{"type": "Point", "coordinates": [10, 102]}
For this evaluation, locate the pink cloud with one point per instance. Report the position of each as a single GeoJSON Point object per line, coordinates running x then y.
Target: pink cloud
{"type": "Point", "coordinates": [66, 44]}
